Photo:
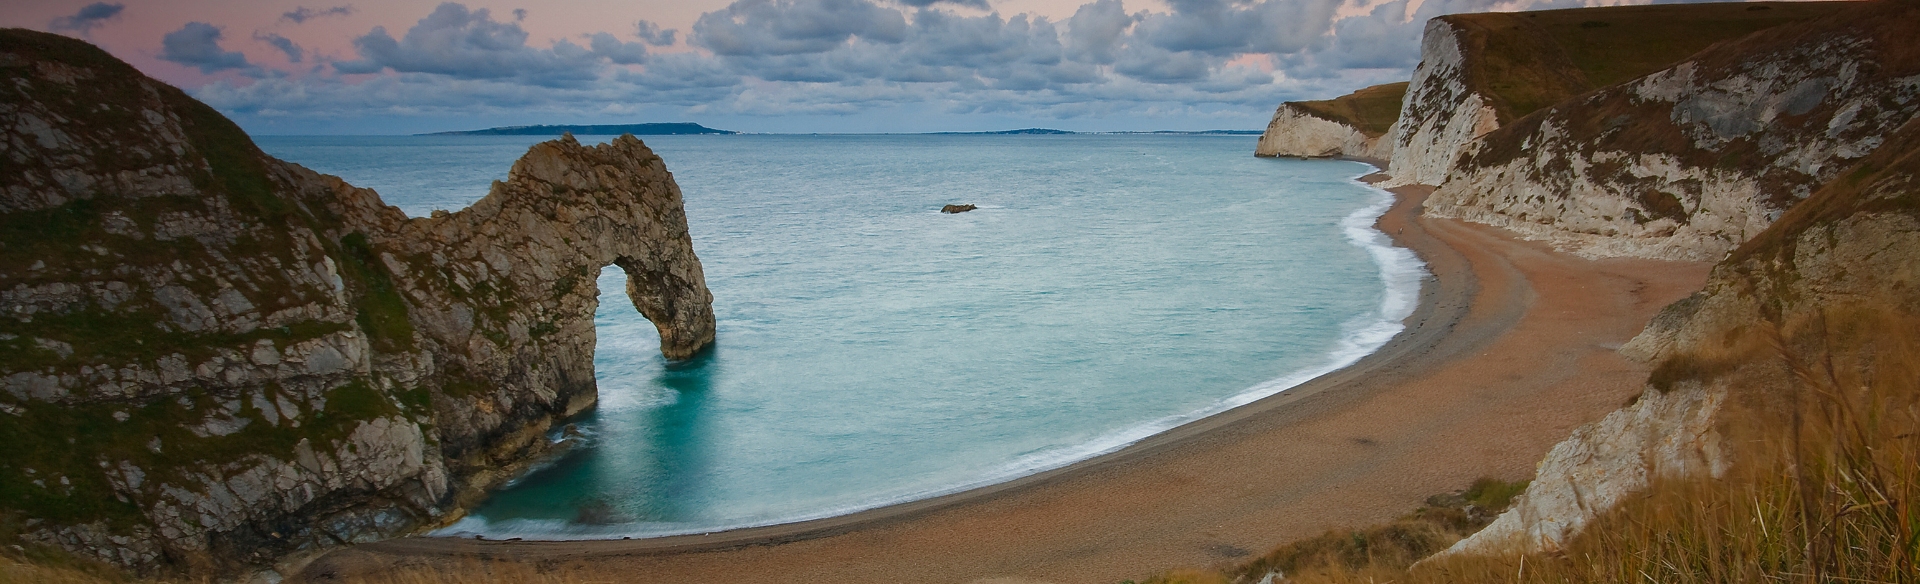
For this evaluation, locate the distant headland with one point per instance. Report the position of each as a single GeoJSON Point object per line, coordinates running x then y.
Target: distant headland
{"type": "Point", "coordinates": [665, 129]}
{"type": "Point", "coordinates": [1052, 132]}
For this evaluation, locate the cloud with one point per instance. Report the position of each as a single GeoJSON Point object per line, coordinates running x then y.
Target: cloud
{"type": "Point", "coordinates": [88, 18]}
{"type": "Point", "coordinates": [1220, 59]}
{"type": "Point", "coordinates": [790, 27]}
{"type": "Point", "coordinates": [681, 79]}
{"type": "Point", "coordinates": [286, 45]}
{"type": "Point", "coordinates": [198, 45]}
{"type": "Point", "coordinates": [468, 44]}
{"type": "Point", "coordinates": [855, 42]}
{"type": "Point", "coordinates": [1096, 30]}
{"type": "Point", "coordinates": [617, 51]}
{"type": "Point", "coordinates": [653, 34]}
{"type": "Point", "coordinates": [302, 14]}
{"type": "Point", "coordinates": [1155, 65]}
{"type": "Point", "coordinates": [1225, 27]}
{"type": "Point", "coordinates": [980, 4]}
{"type": "Point", "coordinates": [1017, 53]}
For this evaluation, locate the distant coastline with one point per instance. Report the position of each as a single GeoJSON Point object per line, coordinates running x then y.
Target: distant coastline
{"type": "Point", "coordinates": [1054, 132]}
{"type": "Point", "coordinates": [658, 129]}
{"type": "Point", "coordinates": [690, 128]}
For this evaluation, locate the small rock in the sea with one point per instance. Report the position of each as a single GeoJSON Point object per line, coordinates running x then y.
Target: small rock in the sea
{"type": "Point", "coordinates": [957, 208]}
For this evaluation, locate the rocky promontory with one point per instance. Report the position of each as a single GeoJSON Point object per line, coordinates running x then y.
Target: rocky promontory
{"type": "Point", "coordinates": [1351, 125]}
{"type": "Point", "coordinates": [1479, 72]}
{"type": "Point", "coordinates": [1832, 283]}
{"type": "Point", "coordinates": [1692, 160]}
{"type": "Point", "coordinates": [216, 362]}
{"type": "Point", "coordinates": [1789, 152]}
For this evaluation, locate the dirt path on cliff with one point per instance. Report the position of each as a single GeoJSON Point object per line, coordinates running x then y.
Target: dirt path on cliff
{"type": "Point", "coordinates": [1511, 349]}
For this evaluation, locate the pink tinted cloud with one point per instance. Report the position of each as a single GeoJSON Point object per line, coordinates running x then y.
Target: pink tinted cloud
{"type": "Point", "coordinates": [324, 30]}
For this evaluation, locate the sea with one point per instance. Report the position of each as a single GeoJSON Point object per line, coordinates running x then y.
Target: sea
{"type": "Point", "coordinates": [872, 350]}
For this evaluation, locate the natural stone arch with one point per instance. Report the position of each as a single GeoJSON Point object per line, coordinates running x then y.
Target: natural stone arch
{"type": "Point", "coordinates": [295, 363]}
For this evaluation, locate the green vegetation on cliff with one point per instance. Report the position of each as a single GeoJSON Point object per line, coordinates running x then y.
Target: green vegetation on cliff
{"type": "Point", "coordinates": [1371, 110]}
{"type": "Point", "coordinates": [1821, 422]}
{"type": "Point", "coordinates": [210, 358]}
{"type": "Point", "coordinates": [1532, 60]}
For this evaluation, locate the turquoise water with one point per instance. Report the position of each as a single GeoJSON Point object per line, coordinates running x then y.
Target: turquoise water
{"type": "Point", "coordinates": [872, 350]}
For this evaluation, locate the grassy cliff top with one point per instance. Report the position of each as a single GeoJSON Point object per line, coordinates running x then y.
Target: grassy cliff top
{"type": "Point", "coordinates": [1370, 110]}
{"type": "Point", "coordinates": [1531, 60]}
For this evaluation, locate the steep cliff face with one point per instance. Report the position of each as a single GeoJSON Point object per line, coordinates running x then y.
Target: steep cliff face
{"type": "Point", "coordinates": [1351, 125]}
{"type": "Point", "coordinates": [1297, 134]}
{"type": "Point", "coordinates": [1690, 161]}
{"type": "Point", "coordinates": [1442, 112]}
{"type": "Point", "coordinates": [1663, 434]}
{"type": "Point", "coordinates": [1481, 71]}
{"type": "Point", "coordinates": [1834, 281]}
{"type": "Point", "coordinates": [212, 360]}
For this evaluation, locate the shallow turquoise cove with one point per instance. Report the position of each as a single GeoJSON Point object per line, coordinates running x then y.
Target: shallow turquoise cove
{"type": "Point", "coordinates": [872, 350]}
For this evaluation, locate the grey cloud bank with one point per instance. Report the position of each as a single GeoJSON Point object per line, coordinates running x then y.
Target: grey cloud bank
{"type": "Point", "coordinates": [1223, 63]}
{"type": "Point", "coordinates": [198, 45]}
{"type": "Point", "coordinates": [303, 14]}
{"type": "Point", "coordinates": [88, 18]}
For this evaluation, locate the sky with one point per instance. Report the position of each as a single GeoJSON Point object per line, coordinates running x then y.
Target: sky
{"type": "Point", "coordinates": [793, 66]}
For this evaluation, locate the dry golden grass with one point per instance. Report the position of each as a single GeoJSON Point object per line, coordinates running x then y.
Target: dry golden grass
{"type": "Point", "coordinates": [1371, 110]}
{"type": "Point", "coordinates": [1828, 497]}
{"type": "Point", "coordinates": [16, 570]}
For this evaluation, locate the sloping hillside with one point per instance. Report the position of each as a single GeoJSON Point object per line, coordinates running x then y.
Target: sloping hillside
{"type": "Point", "coordinates": [1825, 300]}
{"type": "Point", "coordinates": [1775, 438]}
{"type": "Point", "coordinates": [212, 360]}
{"type": "Point", "coordinates": [1370, 110]}
{"type": "Point", "coordinates": [1689, 162]}
{"type": "Point", "coordinates": [1481, 71]}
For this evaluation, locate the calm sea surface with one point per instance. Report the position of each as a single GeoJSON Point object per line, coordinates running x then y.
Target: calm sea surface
{"type": "Point", "coordinates": [872, 350]}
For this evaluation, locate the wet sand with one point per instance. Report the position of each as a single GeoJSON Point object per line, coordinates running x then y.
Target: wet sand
{"type": "Point", "coordinates": [1511, 348]}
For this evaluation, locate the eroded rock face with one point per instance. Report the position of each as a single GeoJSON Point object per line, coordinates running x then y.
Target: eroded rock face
{"type": "Point", "coordinates": [1602, 464]}
{"type": "Point", "coordinates": [1839, 263]}
{"type": "Point", "coordinates": [1295, 133]}
{"type": "Point", "coordinates": [1442, 114]}
{"type": "Point", "coordinates": [1689, 162]}
{"type": "Point", "coordinates": [215, 361]}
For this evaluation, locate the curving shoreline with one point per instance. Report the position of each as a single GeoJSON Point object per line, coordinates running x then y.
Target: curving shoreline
{"type": "Point", "coordinates": [1506, 352]}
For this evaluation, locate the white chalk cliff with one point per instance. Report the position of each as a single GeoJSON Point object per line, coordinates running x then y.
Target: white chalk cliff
{"type": "Point", "coordinates": [1296, 133]}
{"type": "Point", "coordinates": [1441, 116]}
{"type": "Point", "coordinates": [1795, 155]}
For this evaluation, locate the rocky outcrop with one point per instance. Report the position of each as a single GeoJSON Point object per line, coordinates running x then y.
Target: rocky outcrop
{"type": "Point", "coordinates": [1569, 126]}
{"type": "Point", "coordinates": [1348, 126]}
{"type": "Point", "coordinates": [213, 361]}
{"type": "Point", "coordinates": [1442, 112]}
{"type": "Point", "coordinates": [1833, 281]}
{"type": "Point", "coordinates": [1296, 134]}
{"type": "Point", "coordinates": [1690, 161]}
{"type": "Point", "coordinates": [1479, 72]}
{"type": "Point", "coordinates": [1663, 434]}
